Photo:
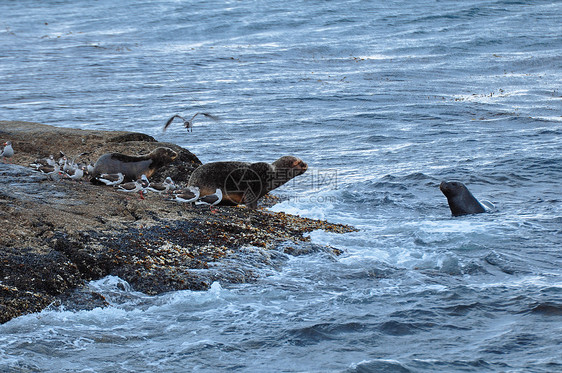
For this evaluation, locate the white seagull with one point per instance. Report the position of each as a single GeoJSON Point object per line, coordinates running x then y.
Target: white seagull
{"type": "Point", "coordinates": [210, 199]}
{"type": "Point", "coordinates": [111, 179]}
{"type": "Point", "coordinates": [134, 186]}
{"type": "Point", "coordinates": [7, 151]}
{"type": "Point", "coordinates": [188, 195]}
{"type": "Point", "coordinates": [76, 173]}
{"type": "Point", "coordinates": [43, 162]}
{"type": "Point", "coordinates": [163, 187]}
{"type": "Point", "coordinates": [188, 123]}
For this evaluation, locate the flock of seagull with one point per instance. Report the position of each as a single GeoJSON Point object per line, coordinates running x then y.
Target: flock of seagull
{"type": "Point", "coordinates": [69, 169]}
{"type": "Point", "coordinates": [66, 168]}
{"type": "Point", "coordinates": [63, 168]}
{"type": "Point", "coordinates": [188, 194]}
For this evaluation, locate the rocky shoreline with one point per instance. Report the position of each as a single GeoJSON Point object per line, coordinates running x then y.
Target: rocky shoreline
{"type": "Point", "coordinates": [57, 236]}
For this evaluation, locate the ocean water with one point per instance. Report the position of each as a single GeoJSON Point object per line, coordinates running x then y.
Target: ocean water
{"type": "Point", "coordinates": [383, 100]}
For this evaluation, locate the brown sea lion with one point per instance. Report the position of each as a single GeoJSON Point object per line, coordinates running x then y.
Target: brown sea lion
{"type": "Point", "coordinates": [461, 201]}
{"type": "Point", "coordinates": [243, 182]}
{"type": "Point", "coordinates": [133, 167]}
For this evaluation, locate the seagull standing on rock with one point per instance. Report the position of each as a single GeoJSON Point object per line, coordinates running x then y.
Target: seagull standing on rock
{"type": "Point", "coordinates": [52, 172]}
{"type": "Point", "coordinates": [62, 158]}
{"type": "Point", "coordinates": [76, 173]}
{"type": "Point", "coordinates": [7, 151]}
{"type": "Point", "coordinates": [188, 195]}
{"type": "Point", "coordinates": [66, 165]}
{"type": "Point", "coordinates": [111, 179]}
{"type": "Point", "coordinates": [210, 199]}
{"type": "Point", "coordinates": [44, 162]}
{"type": "Point", "coordinates": [163, 187]}
{"type": "Point", "coordinates": [135, 186]}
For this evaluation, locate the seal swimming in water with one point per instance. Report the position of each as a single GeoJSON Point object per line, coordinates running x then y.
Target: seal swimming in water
{"type": "Point", "coordinates": [461, 201]}
{"type": "Point", "coordinates": [243, 182]}
{"type": "Point", "coordinates": [133, 167]}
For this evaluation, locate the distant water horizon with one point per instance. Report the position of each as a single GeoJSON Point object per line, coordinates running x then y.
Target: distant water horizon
{"type": "Point", "coordinates": [383, 100]}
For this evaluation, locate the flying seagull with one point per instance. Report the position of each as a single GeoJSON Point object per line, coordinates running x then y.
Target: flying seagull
{"type": "Point", "coordinates": [188, 124]}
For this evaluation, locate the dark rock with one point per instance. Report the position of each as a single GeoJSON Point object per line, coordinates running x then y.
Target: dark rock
{"type": "Point", "coordinates": [80, 298]}
{"type": "Point", "coordinates": [307, 248]}
{"type": "Point", "coordinates": [180, 169]}
{"type": "Point", "coordinates": [15, 302]}
{"type": "Point", "coordinates": [51, 273]}
{"type": "Point", "coordinates": [90, 266]}
{"type": "Point", "coordinates": [134, 136]}
{"type": "Point", "coordinates": [58, 236]}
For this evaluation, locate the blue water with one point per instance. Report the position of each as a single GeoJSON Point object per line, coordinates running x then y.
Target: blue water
{"type": "Point", "coordinates": [383, 99]}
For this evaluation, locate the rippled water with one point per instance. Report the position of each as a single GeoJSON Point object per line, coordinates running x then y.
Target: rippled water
{"type": "Point", "coordinates": [383, 100]}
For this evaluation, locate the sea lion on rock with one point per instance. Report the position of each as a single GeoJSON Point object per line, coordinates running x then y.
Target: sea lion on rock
{"type": "Point", "coordinates": [133, 167]}
{"type": "Point", "coordinates": [243, 182]}
{"type": "Point", "coordinates": [461, 201]}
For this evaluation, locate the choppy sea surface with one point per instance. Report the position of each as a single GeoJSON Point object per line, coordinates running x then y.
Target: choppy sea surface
{"type": "Point", "coordinates": [384, 100]}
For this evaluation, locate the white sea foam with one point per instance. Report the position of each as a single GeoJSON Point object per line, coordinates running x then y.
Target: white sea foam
{"type": "Point", "coordinates": [310, 211]}
{"type": "Point", "coordinates": [451, 226]}
{"type": "Point", "coordinates": [395, 98]}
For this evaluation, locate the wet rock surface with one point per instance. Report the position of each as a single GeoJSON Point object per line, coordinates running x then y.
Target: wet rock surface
{"type": "Point", "coordinates": [58, 235]}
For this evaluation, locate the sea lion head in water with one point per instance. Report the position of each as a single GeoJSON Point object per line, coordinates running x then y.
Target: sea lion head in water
{"type": "Point", "coordinates": [461, 201]}
{"type": "Point", "coordinates": [133, 167]}
{"type": "Point", "coordinates": [243, 182]}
